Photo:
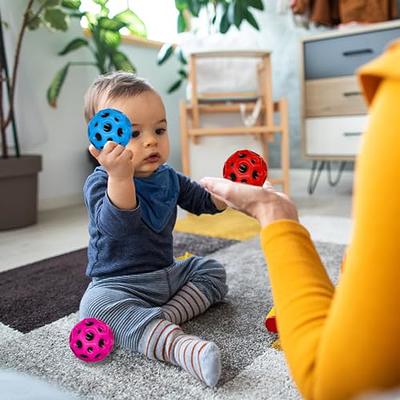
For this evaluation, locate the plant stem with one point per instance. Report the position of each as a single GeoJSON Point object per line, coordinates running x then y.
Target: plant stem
{"type": "Point", "coordinates": [4, 150]}
{"type": "Point", "coordinates": [16, 60]}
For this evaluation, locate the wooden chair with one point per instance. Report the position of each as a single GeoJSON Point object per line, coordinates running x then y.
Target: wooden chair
{"type": "Point", "coordinates": [230, 102]}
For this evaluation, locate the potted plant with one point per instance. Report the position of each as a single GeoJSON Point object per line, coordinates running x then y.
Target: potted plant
{"type": "Point", "coordinates": [18, 172]}
{"type": "Point", "coordinates": [103, 43]}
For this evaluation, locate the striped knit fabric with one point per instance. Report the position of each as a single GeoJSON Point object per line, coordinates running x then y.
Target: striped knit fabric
{"type": "Point", "coordinates": [185, 305]}
{"type": "Point", "coordinates": [167, 342]}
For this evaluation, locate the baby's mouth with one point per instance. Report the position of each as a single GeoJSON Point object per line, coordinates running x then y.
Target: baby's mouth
{"type": "Point", "coordinates": [153, 157]}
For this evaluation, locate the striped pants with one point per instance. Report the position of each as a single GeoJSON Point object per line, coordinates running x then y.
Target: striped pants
{"type": "Point", "coordinates": [129, 303]}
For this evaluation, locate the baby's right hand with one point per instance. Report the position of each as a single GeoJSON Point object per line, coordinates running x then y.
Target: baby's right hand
{"type": "Point", "coordinates": [116, 159]}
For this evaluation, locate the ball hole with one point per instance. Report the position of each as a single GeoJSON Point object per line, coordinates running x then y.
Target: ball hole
{"type": "Point", "coordinates": [116, 119]}
{"type": "Point", "coordinates": [96, 124]}
{"type": "Point", "coordinates": [78, 344]}
{"type": "Point", "coordinates": [233, 177]}
{"type": "Point", "coordinates": [107, 127]}
{"type": "Point", "coordinates": [232, 164]}
{"type": "Point", "coordinates": [88, 323]}
{"type": "Point", "coordinates": [253, 161]}
{"type": "Point", "coordinates": [97, 136]}
{"type": "Point", "coordinates": [100, 329]}
{"type": "Point", "coordinates": [89, 336]}
{"type": "Point", "coordinates": [242, 155]}
{"type": "Point", "coordinates": [105, 114]}
{"type": "Point", "coordinates": [101, 343]}
{"type": "Point", "coordinates": [244, 181]}
{"type": "Point", "coordinates": [83, 356]}
{"type": "Point", "coordinates": [242, 168]}
{"type": "Point", "coordinates": [255, 174]}
{"type": "Point", "coordinates": [120, 132]}
{"type": "Point", "coordinates": [97, 355]}
{"type": "Point", "coordinates": [90, 349]}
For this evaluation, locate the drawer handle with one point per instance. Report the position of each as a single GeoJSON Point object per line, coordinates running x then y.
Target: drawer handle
{"type": "Point", "coordinates": [357, 52]}
{"type": "Point", "coordinates": [348, 94]}
{"type": "Point", "coordinates": [352, 133]}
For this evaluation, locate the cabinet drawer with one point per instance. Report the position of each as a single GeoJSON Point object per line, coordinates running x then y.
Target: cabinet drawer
{"type": "Point", "coordinates": [341, 56]}
{"type": "Point", "coordinates": [334, 96]}
{"type": "Point", "coordinates": [334, 136]}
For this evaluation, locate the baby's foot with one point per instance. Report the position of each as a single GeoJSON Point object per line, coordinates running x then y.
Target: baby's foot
{"type": "Point", "coordinates": [200, 358]}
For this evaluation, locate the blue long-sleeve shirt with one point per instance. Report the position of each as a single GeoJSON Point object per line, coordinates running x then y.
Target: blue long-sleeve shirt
{"type": "Point", "coordinates": [121, 242]}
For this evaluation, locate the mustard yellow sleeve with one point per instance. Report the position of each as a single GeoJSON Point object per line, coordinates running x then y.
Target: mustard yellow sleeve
{"type": "Point", "coordinates": [339, 343]}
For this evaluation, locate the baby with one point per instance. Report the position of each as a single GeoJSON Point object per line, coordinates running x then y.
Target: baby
{"type": "Point", "coordinates": [137, 286]}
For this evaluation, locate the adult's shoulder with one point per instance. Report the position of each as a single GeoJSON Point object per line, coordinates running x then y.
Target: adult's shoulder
{"type": "Point", "coordinates": [385, 66]}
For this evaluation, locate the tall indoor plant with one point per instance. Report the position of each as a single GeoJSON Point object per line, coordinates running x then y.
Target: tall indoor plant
{"type": "Point", "coordinates": [103, 42]}
{"type": "Point", "coordinates": [18, 173]}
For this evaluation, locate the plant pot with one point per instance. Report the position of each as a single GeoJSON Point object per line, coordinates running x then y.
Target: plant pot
{"type": "Point", "coordinates": [18, 191]}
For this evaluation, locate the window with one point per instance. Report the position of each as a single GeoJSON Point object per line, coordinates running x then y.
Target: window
{"type": "Point", "coordinates": [159, 16]}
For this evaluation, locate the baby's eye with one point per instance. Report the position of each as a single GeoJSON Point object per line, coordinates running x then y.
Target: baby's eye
{"type": "Point", "coordinates": [160, 131]}
{"type": "Point", "coordinates": [135, 134]}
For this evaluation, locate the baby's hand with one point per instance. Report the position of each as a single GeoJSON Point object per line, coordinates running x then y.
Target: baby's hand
{"type": "Point", "coordinates": [116, 159]}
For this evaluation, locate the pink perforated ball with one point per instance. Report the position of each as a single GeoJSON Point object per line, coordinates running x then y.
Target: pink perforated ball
{"type": "Point", "coordinates": [91, 340]}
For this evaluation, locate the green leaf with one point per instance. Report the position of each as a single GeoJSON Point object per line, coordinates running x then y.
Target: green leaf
{"type": "Point", "coordinates": [122, 62]}
{"type": "Point", "coordinates": [181, 23]}
{"type": "Point", "coordinates": [224, 24]}
{"type": "Point", "coordinates": [71, 4]}
{"type": "Point", "coordinates": [181, 5]}
{"type": "Point", "coordinates": [110, 38]}
{"type": "Point", "coordinates": [165, 52]}
{"type": "Point", "coordinates": [194, 7]}
{"type": "Point", "coordinates": [73, 45]}
{"type": "Point", "coordinates": [33, 22]}
{"type": "Point", "coordinates": [235, 13]}
{"type": "Point", "coordinates": [251, 20]}
{"type": "Point", "coordinates": [258, 4]}
{"type": "Point", "coordinates": [180, 55]}
{"type": "Point", "coordinates": [57, 19]}
{"type": "Point", "coordinates": [101, 2]}
{"type": "Point", "coordinates": [183, 73]}
{"type": "Point", "coordinates": [132, 22]}
{"type": "Point", "coordinates": [110, 24]}
{"type": "Point", "coordinates": [175, 86]}
{"type": "Point", "coordinates": [55, 87]}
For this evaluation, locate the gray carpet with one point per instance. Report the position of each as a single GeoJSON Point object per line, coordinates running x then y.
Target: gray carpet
{"type": "Point", "coordinates": [251, 368]}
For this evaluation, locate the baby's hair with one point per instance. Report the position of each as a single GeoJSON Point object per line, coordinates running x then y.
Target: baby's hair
{"type": "Point", "coordinates": [111, 86]}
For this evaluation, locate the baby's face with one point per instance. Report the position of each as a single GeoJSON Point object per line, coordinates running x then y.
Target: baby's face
{"type": "Point", "coordinates": [149, 143]}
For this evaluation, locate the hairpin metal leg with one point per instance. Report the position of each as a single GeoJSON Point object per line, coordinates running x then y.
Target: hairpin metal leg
{"type": "Point", "coordinates": [339, 174]}
{"type": "Point", "coordinates": [315, 174]}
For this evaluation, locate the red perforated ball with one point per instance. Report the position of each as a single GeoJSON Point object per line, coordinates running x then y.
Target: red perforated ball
{"type": "Point", "coordinates": [246, 166]}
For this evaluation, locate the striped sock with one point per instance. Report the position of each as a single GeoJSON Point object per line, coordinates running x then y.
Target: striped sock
{"type": "Point", "coordinates": [166, 341]}
{"type": "Point", "coordinates": [186, 304]}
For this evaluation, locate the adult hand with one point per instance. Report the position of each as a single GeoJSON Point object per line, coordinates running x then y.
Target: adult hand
{"type": "Point", "coordinates": [263, 203]}
{"type": "Point", "coordinates": [116, 159]}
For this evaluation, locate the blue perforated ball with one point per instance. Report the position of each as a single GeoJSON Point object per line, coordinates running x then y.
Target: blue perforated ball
{"type": "Point", "coordinates": [109, 124]}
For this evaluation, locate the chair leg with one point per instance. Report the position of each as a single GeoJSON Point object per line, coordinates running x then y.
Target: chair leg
{"type": "Point", "coordinates": [285, 157]}
{"type": "Point", "coordinates": [184, 139]}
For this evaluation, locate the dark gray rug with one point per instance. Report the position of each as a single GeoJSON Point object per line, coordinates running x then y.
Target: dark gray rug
{"type": "Point", "coordinates": [251, 368]}
{"type": "Point", "coordinates": [42, 292]}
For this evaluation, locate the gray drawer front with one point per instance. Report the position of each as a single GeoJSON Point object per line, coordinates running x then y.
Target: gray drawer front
{"type": "Point", "coordinates": [340, 56]}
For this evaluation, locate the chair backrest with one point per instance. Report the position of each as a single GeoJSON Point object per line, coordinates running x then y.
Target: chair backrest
{"type": "Point", "coordinates": [230, 76]}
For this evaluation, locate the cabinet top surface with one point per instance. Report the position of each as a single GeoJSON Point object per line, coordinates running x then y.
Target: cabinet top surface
{"type": "Point", "coordinates": [352, 31]}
